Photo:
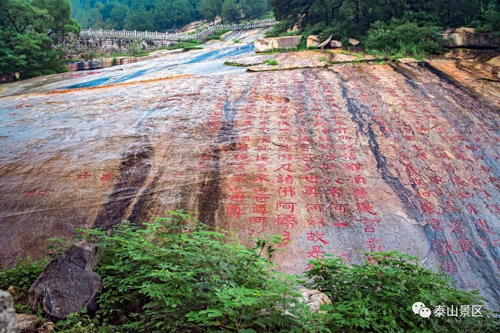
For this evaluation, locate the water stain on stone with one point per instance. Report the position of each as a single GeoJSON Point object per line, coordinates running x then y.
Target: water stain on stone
{"type": "Point", "coordinates": [407, 197]}
{"type": "Point", "coordinates": [133, 172]}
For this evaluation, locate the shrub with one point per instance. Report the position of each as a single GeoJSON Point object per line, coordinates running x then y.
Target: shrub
{"type": "Point", "coordinates": [377, 296]}
{"type": "Point", "coordinates": [270, 62]}
{"type": "Point", "coordinates": [217, 35]}
{"type": "Point", "coordinates": [177, 275]}
{"type": "Point", "coordinates": [114, 62]}
{"type": "Point", "coordinates": [490, 19]}
{"type": "Point", "coordinates": [21, 277]}
{"type": "Point", "coordinates": [403, 37]}
{"type": "Point", "coordinates": [278, 29]}
{"type": "Point", "coordinates": [93, 55]}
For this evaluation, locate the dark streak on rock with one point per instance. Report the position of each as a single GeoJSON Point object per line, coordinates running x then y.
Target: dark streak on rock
{"type": "Point", "coordinates": [210, 189]}
{"type": "Point", "coordinates": [408, 198]}
{"type": "Point", "coordinates": [144, 205]}
{"type": "Point", "coordinates": [481, 268]}
{"type": "Point", "coordinates": [134, 170]}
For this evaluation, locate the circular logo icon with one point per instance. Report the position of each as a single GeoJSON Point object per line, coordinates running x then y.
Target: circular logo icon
{"type": "Point", "coordinates": [416, 307]}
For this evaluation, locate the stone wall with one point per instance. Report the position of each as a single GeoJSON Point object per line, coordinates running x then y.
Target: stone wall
{"type": "Point", "coordinates": [84, 44]}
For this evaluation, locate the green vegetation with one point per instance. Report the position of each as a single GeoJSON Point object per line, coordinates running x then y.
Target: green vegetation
{"type": "Point", "coordinates": [178, 275]}
{"type": "Point", "coordinates": [402, 27]}
{"type": "Point", "coordinates": [162, 15]}
{"type": "Point", "coordinates": [191, 44]}
{"type": "Point", "coordinates": [21, 277]}
{"type": "Point", "coordinates": [217, 35]}
{"type": "Point", "coordinates": [28, 32]}
{"type": "Point", "coordinates": [236, 41]}
{"type": "Point", "coordinates": [271, 62]}
{"type": "Point", "coordinates": [377, 295]}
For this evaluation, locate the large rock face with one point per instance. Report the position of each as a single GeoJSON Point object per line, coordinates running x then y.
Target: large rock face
{"type": "Point", "coordinates": [268, 44]}
{"type": "Point", "coordinates": [466, 37]}
{"type": "Point", "coordinates": [8, 322]}
{"type": "Point", "coordinates": [67, 284]}
{"type": "Point", "coordinates": [339, 160]}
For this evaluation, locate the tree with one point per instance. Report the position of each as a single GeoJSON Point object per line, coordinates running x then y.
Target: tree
{"type": "Point", "coordinates": [253, 8]}
{"type": "Point", "coordinates": [169, 13]}
{"type": "Point", "coordinates": [117, 16]}
{"type": "Point", "coordinates": [210, 9]}
{"type": "Point", "coordinates": [139, 19]}
{"type": "Point", "coordinates": [29, 30]}
{"type": "Point", "coordinates": [230, 11]}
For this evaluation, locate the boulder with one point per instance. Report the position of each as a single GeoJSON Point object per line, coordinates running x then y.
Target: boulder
{"type": "Point", "coordinates": [27, 322]}
{"type": "Point", "coordinates": [335, 44]}
{"type": "Point", "coordinates": [325, 42]}
{"type": "Point", "coordinates": [354, 42]}
{"type": "Point", "coordinates": [268, 44]}
{"type": "Point", "coordinates": [495, 62]}
{"type": "Point", "coordinates": [466, 37]}
{"type": "Point", "coordinates": [313, 41]}
{"type": "Point", "coordinates": [8, 322]}
{"type": "Point", "coordinates": [314, 299]}
{"type": "Point", "coordinates": [67, 284]}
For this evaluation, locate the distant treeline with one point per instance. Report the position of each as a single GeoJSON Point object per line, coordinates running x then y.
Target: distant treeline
{"type": "Point", "coordinates": [355, 17]}
{"type": "Point", "coordinates": [162, 15]}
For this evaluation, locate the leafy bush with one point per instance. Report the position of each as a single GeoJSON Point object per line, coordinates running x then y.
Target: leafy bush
{"type": "Point", "coordinates": [270, 62]}
{"type": "Point", "coordinates": [93, 55]}
{"type": "Point", "coordinates": [21, 277]}
{"type": "Point", "coordinates": [403, 37]}
{"type": "Point", "coordinates": [490, 19]}
{"type": "Point", "coordinates": [114, 62]}
{"type": "Point", "coordinates": [377, 296]}
{"type": "Point", "coordinates": [176, 275]}
{"type": "Point", "coordinates": [217, 35]}
{"type": "Point", "coordinates": [278, 29]}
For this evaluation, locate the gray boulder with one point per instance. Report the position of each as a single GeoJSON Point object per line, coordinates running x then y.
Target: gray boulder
{"type": "Point", "coordinates": [268, 44]}
{"type": "Point", "coordinates": [354, 42]}
{"type": "Point", "coordinates": [8, 322]}
{"type": "Point", "coordinates": [335, 44]}
{"type": "Point", "coordinates": [467, 37]}
{"type": "Point", "coordinates": [67, 284]}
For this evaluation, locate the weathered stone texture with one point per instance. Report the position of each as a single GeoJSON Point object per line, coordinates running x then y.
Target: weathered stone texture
{"type": "Point", "coordinates": [268, 44]}
{"type": "Point", "coordinates": [313, 41]}
{"type": "Point", "coordinates": [8, 322]}
{"type": "Point", "coordinates": [67, 284]}
{"type": "Point", "coordinates": [466, 37]}
{"type": "Point", "coordinates": [335, 160]}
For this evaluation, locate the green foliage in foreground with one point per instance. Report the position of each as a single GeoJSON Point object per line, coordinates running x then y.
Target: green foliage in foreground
{"type": "Point", "coordinates": [175, 275]}
{"type": "Point", "coordinates": [179, 275]}
{"type": "Point", "coordinates": [377, 296]}
{"type": "Point", "coordinates": [21, 277]}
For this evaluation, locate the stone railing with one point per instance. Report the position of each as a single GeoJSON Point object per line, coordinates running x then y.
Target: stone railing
{"type": "Point", "coordinates": [175, 36]}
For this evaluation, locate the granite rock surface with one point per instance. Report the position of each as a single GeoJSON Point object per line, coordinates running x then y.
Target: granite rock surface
{"type": "Point", "coordinates": [336, 160]}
